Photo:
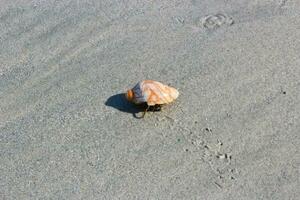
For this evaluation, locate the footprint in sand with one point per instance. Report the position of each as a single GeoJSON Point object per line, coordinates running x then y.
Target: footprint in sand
{"type": "Point", "coordinates": [216, 21]}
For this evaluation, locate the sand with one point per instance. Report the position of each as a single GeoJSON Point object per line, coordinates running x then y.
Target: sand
{"type": "Point", "coordinates": [66, 131]}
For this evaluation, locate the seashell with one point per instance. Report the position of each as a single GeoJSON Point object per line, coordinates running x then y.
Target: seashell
{"type": "Point", "coordinates": [151, 92]}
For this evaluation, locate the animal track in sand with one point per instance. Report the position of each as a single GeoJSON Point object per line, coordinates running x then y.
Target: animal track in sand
{"type": "Point", "coordinates": [216, 21]}
{"type": "Point", "coordinates": [282, 3]}
{"type": "Point", "coordinates": [213, 154]}
{"type": "Point", "coordinates": [212, 151]}
{"type": "Point", "coordinates": [220, 164]}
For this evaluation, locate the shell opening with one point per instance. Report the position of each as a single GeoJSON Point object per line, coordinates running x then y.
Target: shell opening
{"type": "Point", "coordinates": [129, 95]}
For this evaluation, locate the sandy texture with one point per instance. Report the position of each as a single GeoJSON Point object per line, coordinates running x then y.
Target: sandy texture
{"type": "Point", "coordinates": [67, 133]}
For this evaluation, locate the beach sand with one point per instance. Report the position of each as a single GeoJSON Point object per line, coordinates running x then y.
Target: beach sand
{"type": "Point", "coordinates": [66, 131]}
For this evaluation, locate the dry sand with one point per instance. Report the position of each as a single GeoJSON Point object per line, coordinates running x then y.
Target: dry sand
{"type": "Point", "coordinates": [67, 133]}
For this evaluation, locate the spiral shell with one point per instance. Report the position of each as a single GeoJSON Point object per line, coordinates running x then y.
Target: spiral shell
{"type": "Point", "coordinates": [152, 93]}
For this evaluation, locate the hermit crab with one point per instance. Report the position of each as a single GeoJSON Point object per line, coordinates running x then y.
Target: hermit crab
{"type": "Point", "coordinates": [152, 93]}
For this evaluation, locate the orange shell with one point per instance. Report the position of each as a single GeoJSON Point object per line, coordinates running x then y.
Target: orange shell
{"type": "Point", "coordinates": [152, 93]}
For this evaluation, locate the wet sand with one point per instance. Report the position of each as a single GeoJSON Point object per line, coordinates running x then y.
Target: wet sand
{"type": "Point", "coordinates": [66, 131]}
